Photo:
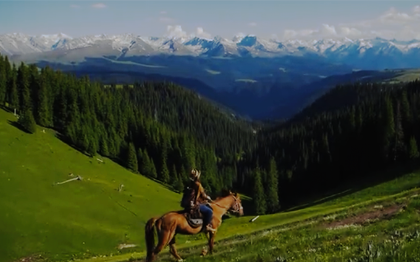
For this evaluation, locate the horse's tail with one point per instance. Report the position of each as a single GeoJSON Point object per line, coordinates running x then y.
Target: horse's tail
{"type": "Point", "coordinates": [150, 236]}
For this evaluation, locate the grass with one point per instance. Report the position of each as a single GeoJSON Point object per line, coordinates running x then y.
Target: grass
{"type": "Point", "coordinates": [79, 218]}
{"type": "Point", "coordinates": [88, 219]}
{"type": "Point", "coordinates": [239, 240]}
{"type": "Point", "coordinates": [407, 75]}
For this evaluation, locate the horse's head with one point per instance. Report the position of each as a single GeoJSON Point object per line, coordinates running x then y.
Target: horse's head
{"type": "Point", "coordinates": [236, 206]}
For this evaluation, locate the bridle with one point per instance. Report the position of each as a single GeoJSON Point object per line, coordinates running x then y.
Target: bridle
{"type": "Point", "coordinates": [236, 208]}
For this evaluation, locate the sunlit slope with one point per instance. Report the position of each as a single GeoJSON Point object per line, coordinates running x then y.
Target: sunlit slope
{"type": "Point", "coordinates": [89, 216]}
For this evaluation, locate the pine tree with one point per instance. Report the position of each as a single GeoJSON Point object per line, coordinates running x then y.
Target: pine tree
{"type": "Point", "coordinates": [258, 194]}
{"type": "Point", "coordinates": [173, 176]}
{"type": "Point", "coordinates": [398, 149]}
{"type": "Point", "coordinates": [183, 174]}
{"type": "Point", "coordinates": [413, 149]}
{"type": "Point", "coordinates": [272, 187]}
{"type": "Point", "coordinates": [12, 91]}
{"type": "Point", "coordinates": [180, 184]}
{"type": "Point", "coordinates": [3, 80]}
{"type": "Point", "coordinates": [27, 121]}
{"type": "Point", "coordinates": [103, 146]}
{"type": "Point", "coordinates": [164, 172]}
{"type": "Point", "coordinates": [93, 145]}
{"type": "Point", "coordinates": [23, 88]}
{"type": "Point", "coordinates": [147, 167]}
{"type": "Point", "coordinates": [140, 161]}
{"type": "Point", "coordinates": [388, 129]}
{"type": "Point", "coordinates": [43, 116]}
{"type": "Point", "coordinates": [131, 160]}
{"type": "Point", "coordinates": [153, 172]}
{"type": "Point", "coordinates": [187, 151]}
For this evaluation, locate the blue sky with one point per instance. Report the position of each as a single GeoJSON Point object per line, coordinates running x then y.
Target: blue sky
{"type": "Point", "coordinates": [285, 19]}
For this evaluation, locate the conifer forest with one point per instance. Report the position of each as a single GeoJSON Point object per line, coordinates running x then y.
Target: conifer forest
{"type": "Point", "coordinates": [161, 130]}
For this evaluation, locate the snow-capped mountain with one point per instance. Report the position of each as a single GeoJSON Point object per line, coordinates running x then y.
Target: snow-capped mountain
{"type": "Point", "coordinates": [365, 53]}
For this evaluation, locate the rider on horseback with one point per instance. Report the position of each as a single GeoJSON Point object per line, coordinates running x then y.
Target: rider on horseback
{"type": "Point", "coordinates": [199, 198]}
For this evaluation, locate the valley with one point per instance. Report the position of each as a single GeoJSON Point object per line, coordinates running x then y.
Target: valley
{"type": "Point", "coordinates": [90, 219]}
{"type": "Point", "coordinates": [276, 79]}
{"type": "Point", "coordinates": [298, 122]}
{"type": "Point", "coordinates": [148, 138]}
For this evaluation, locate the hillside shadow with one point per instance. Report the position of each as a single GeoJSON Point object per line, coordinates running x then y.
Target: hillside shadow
{"type": "Point", "coordinates": [65, 140]}
{"type": "Point", "coordinates": [8, 110]}
{"type": "Point", "coordinates": [355, 186]}
{"type": "Point", "coordinates": [113, 159]}
{"type": "Point", "coordinates": [18, 126]}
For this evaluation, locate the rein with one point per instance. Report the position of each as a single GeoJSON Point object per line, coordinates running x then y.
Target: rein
{"type": "Point", "coordinates": [237, 209]}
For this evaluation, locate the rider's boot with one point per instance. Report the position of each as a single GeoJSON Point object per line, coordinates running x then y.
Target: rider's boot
{"type": "Point", "coordinates": [209, 228]}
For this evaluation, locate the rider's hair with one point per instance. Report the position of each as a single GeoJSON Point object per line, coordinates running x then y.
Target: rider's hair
{"type": "Point", "coordinates": [195, 174]}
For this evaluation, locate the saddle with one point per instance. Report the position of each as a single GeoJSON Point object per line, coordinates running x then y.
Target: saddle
{"type": "Point", "coordinates": [194, 217]}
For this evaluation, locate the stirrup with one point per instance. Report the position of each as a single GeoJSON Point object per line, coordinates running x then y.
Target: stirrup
{"type": "Point", "coordinates": [209, 228]}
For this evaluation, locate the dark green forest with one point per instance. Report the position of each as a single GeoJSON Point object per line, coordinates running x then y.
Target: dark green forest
{"type": "Point", "coordinates": [351, 133]}
{"type": "Point", "coordinates": [157, 129]}
{"type": "Point", "coordinates": [162, 130]}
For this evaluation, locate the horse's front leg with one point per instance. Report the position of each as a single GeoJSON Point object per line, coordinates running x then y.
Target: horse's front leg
{"type": "Point", "coordinates": [204, 251]}
{"type": "Point", "coordinates": [211, 242]}
{"type": "Point", "coordinates": [210, 237]}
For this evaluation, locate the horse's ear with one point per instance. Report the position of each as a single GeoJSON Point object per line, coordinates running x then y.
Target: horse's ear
{"type": "Point", "coordinates": [230, 192]}
{"type": "Point", "coordinates": [235, 194]}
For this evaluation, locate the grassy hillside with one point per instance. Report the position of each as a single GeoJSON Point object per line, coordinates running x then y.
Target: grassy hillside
{"type": "Point", "coordinates": [80, 217]}
{"type": "Point", "coordinates": [90, 218]}
{"type": "Point", "coordinates": [386, 215]}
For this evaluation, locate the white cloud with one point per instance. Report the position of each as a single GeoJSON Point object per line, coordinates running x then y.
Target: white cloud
{"type": "Point", "coordinates": [175, 31]}
{"type": "Point", "coordinates": [350, 32]}
{"type": "Point", "coordinates": [391, 24]}
{"type": "Point", "coordinates": [99, 5]}
{"type": "Point", "coordinates": [392, 16]}
{"type": "Point", "coordinates": [328, 30]}
{"type": "Point", "coordinates": [178, 32]}
{"type": "Point", "coordinates": [200, 33]}
{"type": "Point", "coordinates": [252, 24]}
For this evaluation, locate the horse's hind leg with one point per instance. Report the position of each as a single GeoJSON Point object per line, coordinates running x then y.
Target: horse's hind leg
{"type": "Point", "coordinates": [163, 239]}
{"type": "Point", "coordinates": [173, 250]}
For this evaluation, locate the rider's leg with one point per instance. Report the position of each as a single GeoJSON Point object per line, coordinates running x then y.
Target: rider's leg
{"type": "Point", "coordinates": [208, 216]}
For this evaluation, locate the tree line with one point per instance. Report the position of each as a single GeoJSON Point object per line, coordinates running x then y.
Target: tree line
{"type": "Point", "coordinates": [160, 130]}
{"type": "Point", "coordinates": [353, 132]}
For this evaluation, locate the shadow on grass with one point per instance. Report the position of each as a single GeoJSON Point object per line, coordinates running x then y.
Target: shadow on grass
{"type": "Point", "coordinates": [113, 159]}
{"type": "Point", "coordinates": [5, 108]}
{"type": "Point", "coordinates": [18, 126]}
{"type": "Point", "coordinates": [68, 142]}
{"type": "Point", "coordinates": [355, 186]}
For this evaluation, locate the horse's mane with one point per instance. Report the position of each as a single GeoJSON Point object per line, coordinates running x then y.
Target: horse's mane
{"type": "Point", "coordinates": [225, 193]}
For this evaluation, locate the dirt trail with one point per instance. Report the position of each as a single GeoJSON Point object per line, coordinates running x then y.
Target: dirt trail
{"type": "Point", "coordinates": [379, 213]}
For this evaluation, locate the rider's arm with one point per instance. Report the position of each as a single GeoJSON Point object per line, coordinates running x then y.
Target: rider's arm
{"type": "Point", "coordinates": [201, 192]}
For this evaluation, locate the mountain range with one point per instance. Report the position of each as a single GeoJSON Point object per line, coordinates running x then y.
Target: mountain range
{"type": "Point", "coordinates": [354, 52]}
{"type": "Point", "coordinates": [252, 75]}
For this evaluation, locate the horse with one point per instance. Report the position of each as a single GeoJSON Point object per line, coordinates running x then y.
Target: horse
{"type": "Point", "coordinates": [176, 222]}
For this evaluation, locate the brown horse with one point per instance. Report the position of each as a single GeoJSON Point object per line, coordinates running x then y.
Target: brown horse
{"type": "Point", "coordinates": [175, 222]}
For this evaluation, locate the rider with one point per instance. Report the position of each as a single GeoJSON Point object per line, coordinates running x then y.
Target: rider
{"type": "Point", "coordinates": [205, 209]}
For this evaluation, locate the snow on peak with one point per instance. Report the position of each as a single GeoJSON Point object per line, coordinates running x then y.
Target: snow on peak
{"type": "Point", "coordinates": [240, 44]}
